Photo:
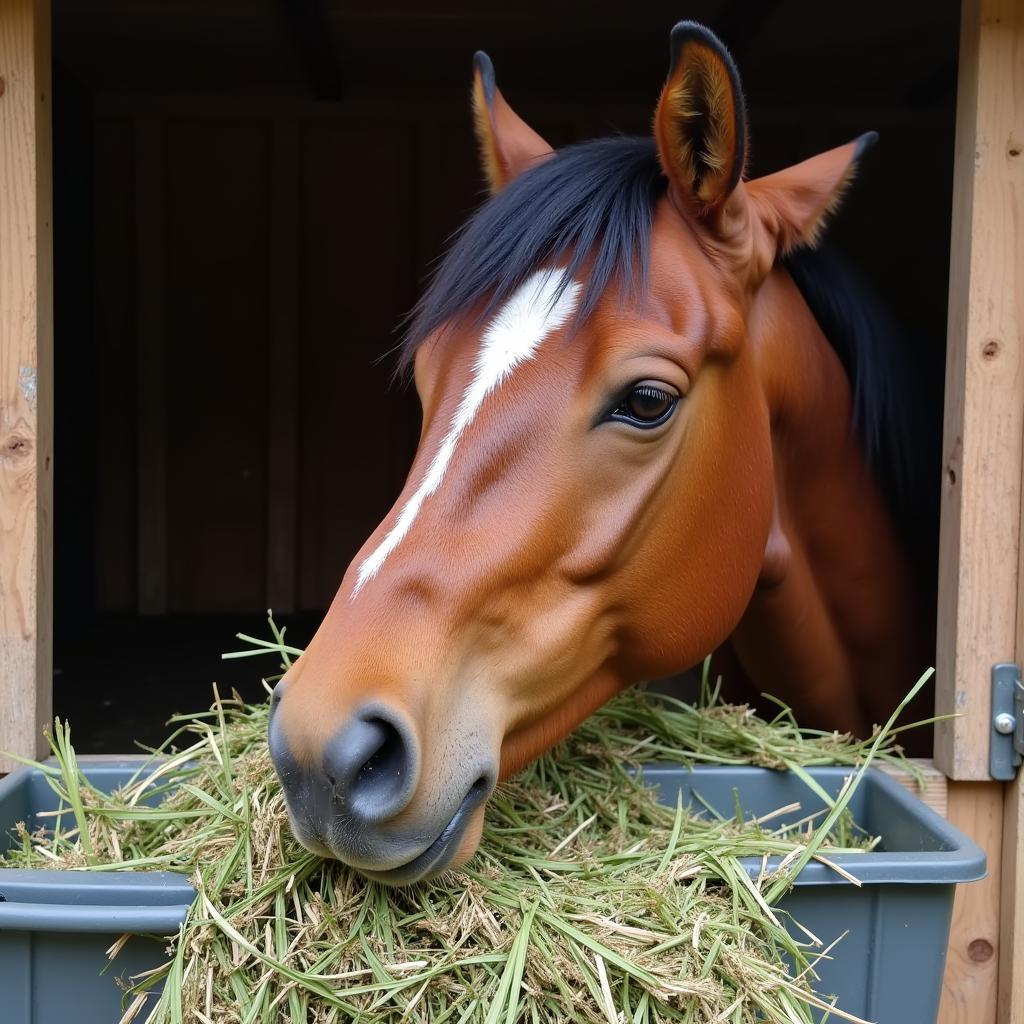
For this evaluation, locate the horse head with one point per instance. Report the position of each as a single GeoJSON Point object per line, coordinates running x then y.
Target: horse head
{"type": "Point", "coordinates": [593, 497]}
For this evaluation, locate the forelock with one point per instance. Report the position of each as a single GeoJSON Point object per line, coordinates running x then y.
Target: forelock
{"type": "Point", "coordinates": [589, 203]}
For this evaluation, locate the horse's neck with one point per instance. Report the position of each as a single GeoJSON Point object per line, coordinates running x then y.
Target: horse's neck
{"type": "Point", "coordinates": [833, 627]}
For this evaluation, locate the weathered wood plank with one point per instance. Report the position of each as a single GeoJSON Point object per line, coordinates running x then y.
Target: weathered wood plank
{"type": "Point", "coordinates": [1011, 931]}
{"type": "Point", "coordinates": [283, 466]}
{"type": "Point", "coordinates": [980, 574]}
{"type": "Point", "coordinates": [970, 983]}
{"type": "Point", "coordinates": [983, 444]}
{"type": "Point", "coordinates": [26, 377]}
{"type": "Point", "coordinates": [1011, 925]}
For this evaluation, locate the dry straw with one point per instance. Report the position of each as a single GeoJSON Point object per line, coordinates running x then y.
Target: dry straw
{"type": "Point", "coordinates": [588, 901]}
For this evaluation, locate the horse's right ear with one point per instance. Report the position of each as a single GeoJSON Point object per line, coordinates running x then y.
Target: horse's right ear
{"type": "Point", "coordinates": [700, 123]}
{"type": "Point", "coordinates": [508, 145]}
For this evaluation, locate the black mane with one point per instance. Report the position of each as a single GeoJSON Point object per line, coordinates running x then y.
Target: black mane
{"type": "Point", "coordinates": [595, 201]}
{"type": "Point", "coordinates": [897, 395]}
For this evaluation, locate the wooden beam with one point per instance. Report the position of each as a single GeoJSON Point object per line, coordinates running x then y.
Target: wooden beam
{"type": "Point", "coordinates": [970, 982]}
{"type": "Point", "coordinates": [981, 587]}
{"type": "Point", "coordinates": [285, 326]}
{"type": "Point", "coordinates": [983, 446]}
{"type": "Point", "coordinates": [151, 325]}
{"type": "Point", "coordinates": [26, 378]}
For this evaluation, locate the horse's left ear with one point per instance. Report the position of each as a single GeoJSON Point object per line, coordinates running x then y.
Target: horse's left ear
{"type": "Point", "coordinates": [508, 145]}
{"type": "Point", "coordinates": [700, 122]}
{"type": "Point", "coordinates": [794, 204]}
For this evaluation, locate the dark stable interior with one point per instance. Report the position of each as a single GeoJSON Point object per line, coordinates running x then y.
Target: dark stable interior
{"type": "Point", "coordinates": [247, 197]}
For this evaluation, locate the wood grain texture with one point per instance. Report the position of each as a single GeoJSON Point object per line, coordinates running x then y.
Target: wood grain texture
{"type": "Point", "coordinates": [981, 574]}
{"type": "Point", "coordinates": [935, 793]}
{"type": "Point", "coordinates": [983, 443]}
{"type": "Point", "coordinates": [26, 377]}
{"type": "Point", "coordinates": [1011, 928]}
{"type": "Point", "coordinates": [969, 985]}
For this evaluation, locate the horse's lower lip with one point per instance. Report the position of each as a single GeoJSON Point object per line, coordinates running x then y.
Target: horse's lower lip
{"type": "Point", "coordinates": [433, 859]}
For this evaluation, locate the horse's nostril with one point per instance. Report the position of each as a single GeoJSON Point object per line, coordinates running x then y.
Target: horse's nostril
{"type": "Point", "coordinates": [369, 764]}
{"type": "Point", "coordinates": [388, 760]}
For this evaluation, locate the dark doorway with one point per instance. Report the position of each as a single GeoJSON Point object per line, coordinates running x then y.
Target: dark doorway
{"type": "Point", "coordinates": [247, 197]}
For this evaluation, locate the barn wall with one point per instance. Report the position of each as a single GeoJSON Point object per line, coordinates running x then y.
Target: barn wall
{"type": "Point", "coordinates": [371, 198]}
{"type": "Point", "coordinates": [216, 193]}
{"type": "Point", "coordinates": [222, 486]}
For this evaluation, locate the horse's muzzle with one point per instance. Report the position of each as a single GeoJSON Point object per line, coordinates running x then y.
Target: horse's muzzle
{"type": "Point", "coordinates": [359, 804]}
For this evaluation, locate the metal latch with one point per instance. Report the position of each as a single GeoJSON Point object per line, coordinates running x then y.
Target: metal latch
{"type": "Point", "coordinates": [1007, 747]}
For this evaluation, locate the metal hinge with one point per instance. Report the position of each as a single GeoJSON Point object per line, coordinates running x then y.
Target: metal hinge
{"type": "Point", "coordinates": [1006, 750]}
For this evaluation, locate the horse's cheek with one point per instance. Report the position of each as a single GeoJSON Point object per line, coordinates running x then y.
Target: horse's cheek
{"type": "Point", "coordinates": [742, 507]}
{"type": "Point", "coordinates": [711, 548]}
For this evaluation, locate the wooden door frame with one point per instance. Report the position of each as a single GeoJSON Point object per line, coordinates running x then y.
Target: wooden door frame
{"type": "Point", "coordinates": [26, 377]}
{"type": "Point", "coordinates": [981, 559]}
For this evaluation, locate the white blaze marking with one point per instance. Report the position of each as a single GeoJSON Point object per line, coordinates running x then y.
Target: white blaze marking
{"type": "Point", "coordinates": [532, 312]}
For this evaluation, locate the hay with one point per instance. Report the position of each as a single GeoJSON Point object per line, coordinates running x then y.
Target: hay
{"type": "Point", "coordinates": [587, 901]}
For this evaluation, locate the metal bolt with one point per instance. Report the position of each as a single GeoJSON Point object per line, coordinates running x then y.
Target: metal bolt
{"type": "Point", "coordinates": [1004, 723]}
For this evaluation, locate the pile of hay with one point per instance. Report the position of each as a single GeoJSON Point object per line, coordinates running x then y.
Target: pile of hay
{"type": "Point", "coordinates": [587, 901]}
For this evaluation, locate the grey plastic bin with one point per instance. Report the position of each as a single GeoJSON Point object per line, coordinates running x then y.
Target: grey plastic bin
{"type": "Point", "coordinates": [888, 968]}
{"type": "Point", "coordinates": [56, 925]}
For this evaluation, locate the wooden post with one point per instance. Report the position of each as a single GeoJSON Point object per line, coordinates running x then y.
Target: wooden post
{"type": "Point", "coordinates": [984, 425]}
{"type": "Point", "coordinates": [26, 378]}
{"type": "Point", "coordinates": [969, 985]}
{"type": "Point", "coordinates": [981, 575]}
{"type": "Point", "coordinates": [1011, 925]}
{"type": "Point", "coordinates": [1011, 931]}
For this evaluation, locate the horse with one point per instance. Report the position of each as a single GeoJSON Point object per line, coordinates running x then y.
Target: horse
{"type": "Point", "coordinates": [638, 446]}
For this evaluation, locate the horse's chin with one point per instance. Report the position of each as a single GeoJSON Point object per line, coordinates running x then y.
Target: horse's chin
{"type": "Point", "coordinates": [456, 853]}
{"type": "Point", "coordinates": [550, 725]}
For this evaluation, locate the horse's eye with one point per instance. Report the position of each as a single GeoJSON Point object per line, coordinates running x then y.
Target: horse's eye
{"type": "Point", "coordinates": [646, 405]}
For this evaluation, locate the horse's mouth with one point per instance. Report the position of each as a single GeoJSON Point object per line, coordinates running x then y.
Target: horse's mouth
{"type": "Point", "coordinates": [438, 855]}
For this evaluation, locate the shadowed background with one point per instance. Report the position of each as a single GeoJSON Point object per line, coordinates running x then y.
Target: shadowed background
{"type": "Point", "coordinates": [247, 196]}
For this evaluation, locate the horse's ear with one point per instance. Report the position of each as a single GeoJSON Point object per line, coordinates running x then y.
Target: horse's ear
{"type": "Point", "coordinates": [700, 122]}
{"type": "Point", "coordinates": [508, 145]}
{"type": "Point", "coordinates": [795, 203]}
